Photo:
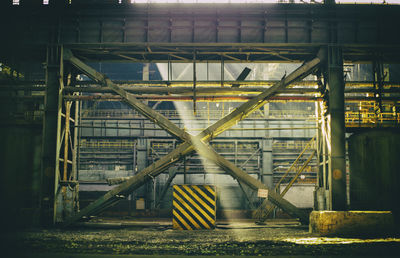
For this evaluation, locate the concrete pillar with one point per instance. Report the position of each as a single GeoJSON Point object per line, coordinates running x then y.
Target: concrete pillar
{"type": "Point", "coordinates": [337, 172]}
{"type": "Point", "coordinates": [50, 135]}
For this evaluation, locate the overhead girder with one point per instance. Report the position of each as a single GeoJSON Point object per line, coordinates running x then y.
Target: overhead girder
{"type": "Point", "coordinates": [174, 33]}
{"type": "Point", "coordinates": [191, 143]}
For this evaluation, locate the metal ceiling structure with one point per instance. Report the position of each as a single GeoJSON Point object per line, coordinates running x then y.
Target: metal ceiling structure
{"type": "Point", "coordinates": [180, 33]}
{"type": "Point", "coordinates": [104, 31]}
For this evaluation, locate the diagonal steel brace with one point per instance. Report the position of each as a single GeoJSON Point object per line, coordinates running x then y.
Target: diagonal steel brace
{"type": "Point", "coordinates": [187, 147]}
{"type": "Point", "coordinates": [263, 213]}
{"type": "Point", "coordinates": [239, 174]}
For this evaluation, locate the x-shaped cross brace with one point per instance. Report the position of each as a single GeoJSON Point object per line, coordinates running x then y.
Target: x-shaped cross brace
{"type": "Point", "coordinates": [190, 143]}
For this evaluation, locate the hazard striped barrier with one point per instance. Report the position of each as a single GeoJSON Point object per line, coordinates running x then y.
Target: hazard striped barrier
{"type": "Point", "coordinates": [194, 207]}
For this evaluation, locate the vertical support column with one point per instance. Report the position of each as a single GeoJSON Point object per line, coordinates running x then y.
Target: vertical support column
{"type": "Point", "coordinates": [60, 196]}
{"type": "Point", "coordinates": [141, 158]}
{"type": "Point", "coordinates": [337, 172]}
{"type": "Point", "coordinates": [49, 145]}
{"type": "Point", "coordinates": [267, 173]}
{"type": "Point", "coordinates": [75, 143]}
{"type": "Point", "coordinates": [146, 75]}
{"type": "Point", "coordinates": [267, 160]}
{"type": "Point", "coordinates": [321, 140]}
{"type": "Point", "coordinates": [75, 156]}
{"type": "Point", "coordinates": [146, 72]}
{"type": "Point", "coordinates": [185, 175]}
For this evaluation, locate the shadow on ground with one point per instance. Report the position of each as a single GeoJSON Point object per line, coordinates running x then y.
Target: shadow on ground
{"type": "Point", "coordinates": [276, 238]}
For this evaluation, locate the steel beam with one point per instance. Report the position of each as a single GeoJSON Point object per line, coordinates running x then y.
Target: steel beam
{"type": "Point", "coordinates": [263, 215]}
{"type": "Point", "coordinates": [187, 147]}
{"type": "Point", "coordinates": [165, 189]}
{"type": "Point", "coordinates": [242, 76]}
{"type": "Point", "coordinates": [163, 33]}
{"type": "Point", "coordinates": [51, 134]}
{"type": "Point", "coordinates": [337, 156]}
{"type": "Point", "coordinates": [145, 110]}
{"type": "Point", "coordinates": [237, 173]}
{"type": "Point", "coordinates": [188, 91]}
{"type": "Point", "coordinates": [124, 189]}
{"type": "Point", "coordinates": [255, 103]}
{"type": "Point", "coordinates": [262, 207]}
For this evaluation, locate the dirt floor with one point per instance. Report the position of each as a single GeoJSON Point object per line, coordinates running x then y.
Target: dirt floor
{"type": "Point", "coordinates": [157, 238]}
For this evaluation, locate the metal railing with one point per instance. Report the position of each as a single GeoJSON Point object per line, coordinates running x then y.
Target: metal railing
{"type": "Point", "coordinates": [364, 116]}
{"type": "Point", "coordinates": [106, 144]}
{"type": "Point", "coordinates": [172, 114]}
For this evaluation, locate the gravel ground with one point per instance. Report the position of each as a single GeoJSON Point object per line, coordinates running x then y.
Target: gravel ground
{"type": "Point", "coordinates": [152, 238]}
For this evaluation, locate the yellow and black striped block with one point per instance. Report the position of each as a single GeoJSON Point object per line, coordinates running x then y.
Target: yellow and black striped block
{"type": "Point", "coordinates": [194, 207]}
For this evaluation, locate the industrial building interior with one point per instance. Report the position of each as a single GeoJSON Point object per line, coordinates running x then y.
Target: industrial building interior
{"type": "Point", "coordinates": [190, 128]}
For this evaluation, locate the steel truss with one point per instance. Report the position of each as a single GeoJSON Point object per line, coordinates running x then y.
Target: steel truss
{"type": "Point", "coordinates": [190, 143]}
{"type": "Point", "coordinates": [211, 33]}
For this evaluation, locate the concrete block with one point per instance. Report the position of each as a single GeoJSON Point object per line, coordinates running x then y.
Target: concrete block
{"type": "Point", "coordinates": [352, 223]}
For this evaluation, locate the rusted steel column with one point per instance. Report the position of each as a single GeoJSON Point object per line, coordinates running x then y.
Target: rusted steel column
{"type": "Point", "coordinates": [49, 145]}
{"type": "Point", "coordinates": [337, 155]}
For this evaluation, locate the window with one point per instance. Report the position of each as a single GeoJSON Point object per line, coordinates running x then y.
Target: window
{"type": "Point", "coordinates": [15, 2]}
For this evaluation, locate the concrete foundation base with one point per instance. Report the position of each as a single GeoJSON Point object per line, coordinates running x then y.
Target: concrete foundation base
{"type": "Point", "coordinates": [352, 223]}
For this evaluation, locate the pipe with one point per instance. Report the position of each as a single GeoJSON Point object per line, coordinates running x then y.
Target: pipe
{"type": "Point", "coordinates": [198, 129]}
{"type": "Point", "coordinates": [217, 98]}
{"type": "Point", "coordinates": [187, 90]}
{"type": "Point", "coordinates": [132, 83]}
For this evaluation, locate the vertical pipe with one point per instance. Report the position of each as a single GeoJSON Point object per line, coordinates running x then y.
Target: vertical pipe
{"type": "Point", "coordinates": [59, 137]}
{"type": "Point", "coordinates": [75, 143]}
{"type": "Point", "coordinates": [51, 134]}
{"type": "Point", "coordinates": [66, 138]}
{"type": "Point", "coordinates": [134, 167]}
{"type": "Point", "coordinates": [222, 71]}
{"type": "Point", "coordinates": [79, 139]}
{"type": "Point", "coordinates": [154, 181]}
{"type": "Point", "coordinates": [317, 144]}
{"type": "Point", "coordinates": [323, 131]}
{"type": "Point", "coordinates": [184, 171]}
{"type": "Point", "coordinates": [207, 71]}
{"type": "Point", "coordinates": [194, 83]}
{"type": "Point", "coordinates": [168, 68]}
{"type": "Point", "coordinates": [236, 151]}
{"type": "Point", "coordinates": [208, 114]}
